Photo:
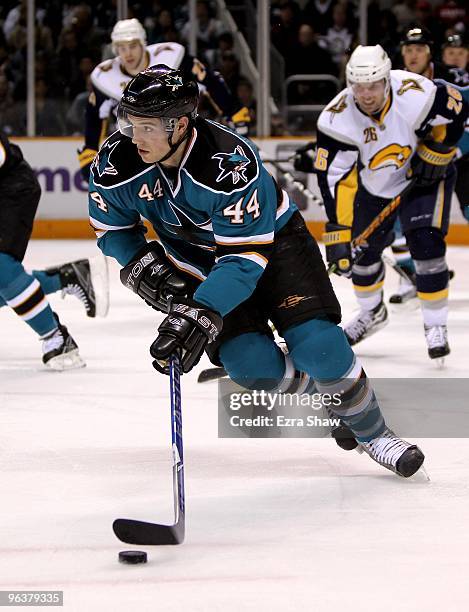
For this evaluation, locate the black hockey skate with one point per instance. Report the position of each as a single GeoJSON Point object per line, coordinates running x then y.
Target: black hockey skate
{"type": "Point", "coordinates": [366, 323]}
{"type": "Point", "coordinates": [394, 454]}
{"type": "Point", "coordinates": [60, 351]}
{"type": "Point", "coordinates": [87, 279]}
{"type": "Point", "coordinates": [437, 342]}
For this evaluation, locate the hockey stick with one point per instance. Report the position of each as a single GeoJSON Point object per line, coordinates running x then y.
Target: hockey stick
{"type": "Point", "coordinates": [139, 532]}
{"type": "Point", "coordinates": [361, 239]}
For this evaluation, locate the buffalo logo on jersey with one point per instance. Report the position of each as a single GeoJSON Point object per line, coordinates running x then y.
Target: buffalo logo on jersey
{"type": "Point", "coordinates": [392, 155]}
{"type": "Point", "coordinates": [102, 163]}
{"type": "Point", "coordinates": [232, 164]}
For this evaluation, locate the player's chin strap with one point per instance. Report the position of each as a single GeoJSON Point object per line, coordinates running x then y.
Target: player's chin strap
{"type": "Point", "coordinates": [173, 147]}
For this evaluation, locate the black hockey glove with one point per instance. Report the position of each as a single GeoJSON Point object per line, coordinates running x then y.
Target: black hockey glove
{"type": "Point", "coordinates": [304, 158]}
{"type": "Point", "coordinates": [337, 239]}
{"type": "Point", "coordinates": [154, 279]}
{"type": "Point", "coordinates": [430, 162]}
{"type": "Point", "coordinates": [187, 330]}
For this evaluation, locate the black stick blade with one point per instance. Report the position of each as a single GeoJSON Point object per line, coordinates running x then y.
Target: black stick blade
{"type": "Point", "coordinates": [149, 534]}
{"type": "Point", "coordinates": [211, 374]}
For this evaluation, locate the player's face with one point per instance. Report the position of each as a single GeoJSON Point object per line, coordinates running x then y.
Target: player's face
{"type": "Point", "coordinates": [455, 56]}
{"type": "Point", "coordinates": [131, 55]}
{"type": "Point", "coordinates": [369, 96]}
{"type": "Point", "coordinates": [416, 57]}
{"type": "Point", "coordinates": [150, 138]}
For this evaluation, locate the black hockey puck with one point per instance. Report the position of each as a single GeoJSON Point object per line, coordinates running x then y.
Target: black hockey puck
{"type": "Point", "coordinates": [132, 557]}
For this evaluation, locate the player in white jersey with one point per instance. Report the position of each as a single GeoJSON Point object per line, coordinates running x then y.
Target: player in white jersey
{"type": "Point", "coordinates": [110, 77]}
{"type": "Point", "coordinates": [386, 128]}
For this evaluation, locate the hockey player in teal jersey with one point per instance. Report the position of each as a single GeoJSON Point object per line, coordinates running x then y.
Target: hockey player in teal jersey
{"type": "Point", "coordinates": [233, 252]}
{"type": "Point", "coordinates": [25, 293]}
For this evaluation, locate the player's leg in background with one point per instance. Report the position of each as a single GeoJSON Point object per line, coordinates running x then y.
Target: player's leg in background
{"type": "Point", "coordinates": [369, 271]}
{"type": "Point", "coordinates": [86, 279]}
{"type": "Point", "coordinates": [18, 289]}
{"type": "Point", "coordinates": [407, 289]}
{"type": "Point", "coordinates": [426, 239]}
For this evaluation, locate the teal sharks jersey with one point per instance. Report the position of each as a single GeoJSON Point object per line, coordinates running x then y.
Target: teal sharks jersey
{"type": "Point", "coordinates": [216, 218]}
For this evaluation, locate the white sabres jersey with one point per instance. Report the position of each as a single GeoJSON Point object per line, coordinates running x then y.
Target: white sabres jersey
{"type": "Point", "coordinates": [382, 148]}
{"type": "Point", "coordinates": [110, 79]}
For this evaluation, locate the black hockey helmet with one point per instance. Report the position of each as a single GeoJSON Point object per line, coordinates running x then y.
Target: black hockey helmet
{"type": "Point", "coordinates": [454, 40]}
{"type": "Point", "coordinates": [160, 91]}
{"type": "Point", "coordinates": [417, 35]}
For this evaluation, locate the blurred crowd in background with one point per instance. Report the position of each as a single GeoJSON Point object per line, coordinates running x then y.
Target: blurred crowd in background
{"type": "Point", "coordinates": [311, 37]}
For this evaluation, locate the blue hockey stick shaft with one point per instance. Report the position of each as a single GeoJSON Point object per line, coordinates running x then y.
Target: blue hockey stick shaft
{"type": "Point", "coordinates": [177, 444]}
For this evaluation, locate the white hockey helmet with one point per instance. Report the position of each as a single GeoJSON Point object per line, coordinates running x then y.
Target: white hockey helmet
{"type": "Point", "coordinates": [127, 30]}
{"type": "Point", "coordinates": [367, 65]}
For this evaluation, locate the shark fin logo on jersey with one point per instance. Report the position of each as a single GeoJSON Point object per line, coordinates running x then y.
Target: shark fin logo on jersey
{"type": "Point", "coordinates": [392, 155]}
{"type": "Point", "coordinates": [172, 81]}
{"type": "Point", "coordinates": [233, 164]}
{"type": "Point", "coordinates": [200, 234]}
{"type": "Point", "coordinates": [102, 162]}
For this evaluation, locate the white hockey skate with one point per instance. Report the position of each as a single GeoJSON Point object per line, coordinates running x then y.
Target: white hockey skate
{"type": "Point", "coordinates": [60, 351]}
{"type": "Point", "coordinates": [437, 343]}
{"type": "Point", "coordinates": [394, 454]}
{"type": "Point", "coordinates": [366, 323]}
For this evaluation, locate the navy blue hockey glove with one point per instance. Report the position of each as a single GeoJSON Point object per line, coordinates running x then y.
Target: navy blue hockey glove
{"type": "Point", "coordinates": [187, 330]}
{"type": "Point", "coordinates": [304, 158]}
{"type": "Point", "coordinates": [430, 162]}
{"type": "Point", "coordinates": [337, 239]}
{"type": "Point", "coordinates": [154, 279]}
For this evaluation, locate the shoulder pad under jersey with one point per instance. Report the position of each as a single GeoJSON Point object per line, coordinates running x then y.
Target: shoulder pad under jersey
{"type": "Point", "coordinates": [221, 160]}
{"type": "Point", "coordinates": [117, 162]}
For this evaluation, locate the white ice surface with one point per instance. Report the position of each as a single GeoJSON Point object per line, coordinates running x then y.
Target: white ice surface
{"type": "Point", "coordinates": [289, 524]}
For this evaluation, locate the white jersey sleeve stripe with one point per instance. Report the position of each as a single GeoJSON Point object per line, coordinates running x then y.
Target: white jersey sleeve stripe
{"type": "Point", "coordinates": [256, 239]}
{"type": "Point", "coordinates": [254, 257]}
{"type": "Point", "coordinates": [103, 226]}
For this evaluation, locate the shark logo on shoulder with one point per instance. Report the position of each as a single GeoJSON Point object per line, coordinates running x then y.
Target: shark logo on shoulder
{"type": "Point", "coordinates": [233, 164]}
{"type": "Point", "coordinates": [102, 161]}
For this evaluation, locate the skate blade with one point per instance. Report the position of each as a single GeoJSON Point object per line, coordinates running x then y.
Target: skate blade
{"type": "Point", "coordinates": [420, 476]}
{"type": "Point", "coordinates": [440, 363]}
{"type": "Point", "coordinates": [100, 278]}
{"type": "Point", "coordinates": [67, 361]}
